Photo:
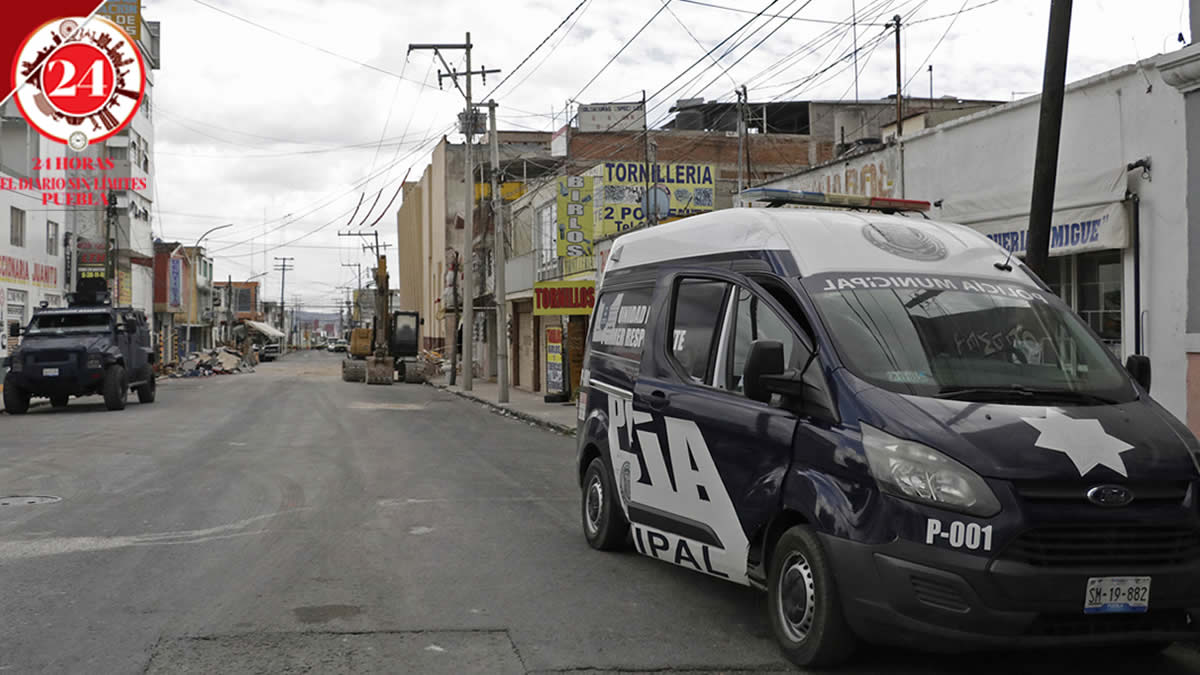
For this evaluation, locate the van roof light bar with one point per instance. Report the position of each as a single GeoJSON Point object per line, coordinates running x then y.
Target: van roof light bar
{"type": "Point", "coordinates": [775, 197]}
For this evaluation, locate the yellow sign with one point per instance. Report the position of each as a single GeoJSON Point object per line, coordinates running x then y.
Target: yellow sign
{"type": "Point", "coordinates": [676, 190]}
{"type": "Point", "coordinates": [125, 13]}
{"type": "Point", "coordinates": [558, 298]}
{"type": "Point", "coordinates": [508, 191]}
{"type": "Point", "coordinates": [576, 222]}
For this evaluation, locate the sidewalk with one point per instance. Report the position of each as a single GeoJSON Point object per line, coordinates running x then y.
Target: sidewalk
{"type": "Point", "coordinates": [523, 405]}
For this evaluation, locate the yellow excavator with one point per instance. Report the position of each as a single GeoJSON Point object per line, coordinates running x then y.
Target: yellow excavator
{"type": "Point", "coordinates": [390, 347]}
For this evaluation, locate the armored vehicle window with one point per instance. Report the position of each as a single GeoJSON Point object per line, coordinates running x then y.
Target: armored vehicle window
{"type": "Point", "coordinates": [96, 322]}
{"type": "Point", "coordinates": [696, 320]}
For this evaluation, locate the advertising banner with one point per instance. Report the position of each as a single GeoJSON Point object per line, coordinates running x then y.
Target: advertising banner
{"type": "Point", "coordinates": [175, 283]}
{"type": "Point", "coordinates": [90, 259]}
{"type": "Point", "coordinates": [676, 190]}
{"type": "Point", "coordinates": [576, 224]}
{"type": "Point", "coordinates": [554, 360]}
{"type": "Point", "coordinates": [558, 298]}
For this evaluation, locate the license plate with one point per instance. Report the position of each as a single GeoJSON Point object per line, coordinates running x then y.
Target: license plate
{"type": "Point", "coordinates": [1108, 595]}
{"type": "Point", "coordinates": [50, 372]}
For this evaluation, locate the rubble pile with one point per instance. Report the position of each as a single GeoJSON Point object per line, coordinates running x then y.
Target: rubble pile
{"type": "Point", "coordinates": [222, 361]}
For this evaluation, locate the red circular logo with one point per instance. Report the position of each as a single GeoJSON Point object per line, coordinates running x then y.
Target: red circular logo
{"type": "Point", "coordinates": [78, 79]}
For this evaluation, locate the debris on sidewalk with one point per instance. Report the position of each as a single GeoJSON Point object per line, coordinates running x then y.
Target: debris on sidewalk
{"type": "Point", "coordinates": [222, 361]}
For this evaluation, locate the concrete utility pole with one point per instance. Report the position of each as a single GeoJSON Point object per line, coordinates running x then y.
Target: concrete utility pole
{"type": "Point", "coordinates": [499, 258]}
{"type": "Point", "coordinates": [468, 301]}
{"type": "Point", "coordinates": [229, 311]}
{"type": "Point", "coordinates": [1045, 164]}
{"type": "Point", "coordinates": [741, 132]}
{"type": "Point", "coordinates": [899, 82]}
{"type": "Point", "coordinates": [283, 267]}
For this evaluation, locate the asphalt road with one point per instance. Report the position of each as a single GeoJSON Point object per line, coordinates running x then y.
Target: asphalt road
{"type": "Point", "coordinates": [286, 521]}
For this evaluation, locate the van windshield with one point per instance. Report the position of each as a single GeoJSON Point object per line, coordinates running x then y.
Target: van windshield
{"type": "Point", "coordinates": [58, 324]}
{"type": "Point", "coordinates": [963, 338]}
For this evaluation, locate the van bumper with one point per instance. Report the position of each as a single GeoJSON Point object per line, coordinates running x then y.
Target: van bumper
{"type": "Point", "coordinates": [908, 594]}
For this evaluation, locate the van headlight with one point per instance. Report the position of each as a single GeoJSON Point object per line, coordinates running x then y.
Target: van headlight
{"type": "Point", "coordinates": [920, 473]}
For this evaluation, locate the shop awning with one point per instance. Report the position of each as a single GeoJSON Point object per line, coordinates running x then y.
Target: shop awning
{"type": "Point", "coordinates": [1089, 214]}
{"type": "Point", "coordinates": [265, 328]}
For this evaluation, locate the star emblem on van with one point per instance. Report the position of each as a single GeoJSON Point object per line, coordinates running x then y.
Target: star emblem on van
{"type": "Point", "coordinates": [1085, 442]}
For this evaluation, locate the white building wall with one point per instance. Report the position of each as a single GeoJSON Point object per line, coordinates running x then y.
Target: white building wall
{"type": "Point", "coordinates": [31, 269]}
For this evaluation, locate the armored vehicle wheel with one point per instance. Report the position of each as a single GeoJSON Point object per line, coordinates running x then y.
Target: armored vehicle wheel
{"type": "Point", "coordinates": [147, 391]}
{"type": "Point", "coordinates": [116, 387]}
{"type": "Point", "coordinates": [59, 401]}
{"type": "Point", "coordinates": [16, 399]}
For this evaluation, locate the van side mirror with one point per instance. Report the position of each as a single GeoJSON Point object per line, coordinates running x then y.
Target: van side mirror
{"type": "Point", "coordinates": [1139, 369]}
{"type": "Point", "coordinates": [765, 359]}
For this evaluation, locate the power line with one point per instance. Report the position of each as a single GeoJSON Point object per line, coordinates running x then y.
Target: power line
{"type": "Point", "coordinates": [310, 45]}
{"type": "Point", "coordinates": [774, 16]}
{"type": "Point", "coordinates": [938, 43]}
{"type": "Point", "coordinates": [695, 39]}
{"type": "Point", "coordinates": [535, 49]}
{"type": "Point", "coordinates": [628, 42]}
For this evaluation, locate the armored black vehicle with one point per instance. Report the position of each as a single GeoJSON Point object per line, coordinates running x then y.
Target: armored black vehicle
{"type": "Point", "coordinates": [89, 347]}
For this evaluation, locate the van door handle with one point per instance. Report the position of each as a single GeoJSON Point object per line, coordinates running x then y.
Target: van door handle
{"type": "Point", "coordinates": [658, 399]}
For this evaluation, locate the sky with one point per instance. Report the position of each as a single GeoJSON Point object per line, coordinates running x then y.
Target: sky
{"type": "Point", "coordinates": [279, 115]}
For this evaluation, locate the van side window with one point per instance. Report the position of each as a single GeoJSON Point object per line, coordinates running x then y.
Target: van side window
{"type": "Point", "coordinates": [619, 322]}
{"type": "Point", "coordinates": [754, 320]}
{"type": "Point", "coordinates": [696, 323]}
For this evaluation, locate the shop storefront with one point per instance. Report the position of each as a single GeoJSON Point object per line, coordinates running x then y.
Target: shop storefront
{"type": "Point", "coordinates": [561, 310]}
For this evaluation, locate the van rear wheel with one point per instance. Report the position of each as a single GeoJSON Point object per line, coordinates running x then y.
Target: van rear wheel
{"type": "Point", "coordinates": [803, 605]}
{"type": "Point", "coordinates": [604, 524]}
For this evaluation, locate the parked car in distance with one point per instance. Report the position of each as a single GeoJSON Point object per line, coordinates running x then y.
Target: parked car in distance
{"type": "Point", "coordinates": [268, 352]}
{"type": "Point", "coordinates": [339, 346]}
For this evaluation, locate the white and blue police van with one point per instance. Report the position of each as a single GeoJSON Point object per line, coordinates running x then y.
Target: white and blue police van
{"type": "Point", "coordinates": [891, 426]}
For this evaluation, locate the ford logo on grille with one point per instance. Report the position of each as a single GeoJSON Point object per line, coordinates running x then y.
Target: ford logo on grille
{"type": "Point", "coordinates": [1110, 495]}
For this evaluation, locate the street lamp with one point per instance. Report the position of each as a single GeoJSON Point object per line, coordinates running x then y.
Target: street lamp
{"type": "Point", "coordinates": [192, 263]}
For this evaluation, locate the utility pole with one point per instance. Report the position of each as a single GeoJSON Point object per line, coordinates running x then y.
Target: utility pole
{"type": "Point", "coordinates": [283, 266]}
{"type": "Point", "coordinates": [110, 221]}
{"type": "Point", "coordinates": [899, 82]}
{"type": "Point", "coordinates": [649, 165]}
{"type": "Point", "coordinates": [741, 132]}
{"type": "Point", "coordinates": [899, 103]}
{"type": "Point", "coordinates": [468, 217]}
{"type": "Point", "coordinates": [1045, 164]}
{"type": "Point", "coordinates": [931, 86]}
{"type": "Point", "coordinates": [499, 257]}
{"type": "Point", "coordinates": [229, 311]}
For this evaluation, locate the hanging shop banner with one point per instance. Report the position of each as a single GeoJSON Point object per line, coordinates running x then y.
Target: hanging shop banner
{"type": "Point", "coordinates": [175, 284]}
{"type": "Point", "coordinates": [576, 224]}
{"type": "Point", "coordinates": [1089, 228]}
{"type": "Point", "coordinates": [676, 190]}
{"type": "Point", "coordinates": [554, 360]}
{"type": "Point", "coordinates": [558, 298]}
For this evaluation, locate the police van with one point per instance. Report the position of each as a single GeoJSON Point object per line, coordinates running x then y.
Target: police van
{"type": "Point", "coordinates": [891, 426]}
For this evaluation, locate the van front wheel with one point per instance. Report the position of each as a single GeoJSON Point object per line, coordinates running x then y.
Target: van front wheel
{"type": "Point", "coordinates": [803, 603]}
{"type": "Point", "coordinates": [604, 524]}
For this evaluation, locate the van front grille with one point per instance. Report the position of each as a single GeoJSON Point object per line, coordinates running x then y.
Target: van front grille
{"type": "Point", "coordinates": [1124, 545]}
{"type": "Point", "coordinates": [1054, 493]}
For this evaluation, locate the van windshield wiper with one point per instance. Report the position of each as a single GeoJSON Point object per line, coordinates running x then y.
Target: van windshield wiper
{"type": "Point", "coordinates": [1020, 392]}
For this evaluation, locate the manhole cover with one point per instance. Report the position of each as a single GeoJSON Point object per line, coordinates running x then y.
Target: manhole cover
{"type": "Point", "coordinates": [28, 500]}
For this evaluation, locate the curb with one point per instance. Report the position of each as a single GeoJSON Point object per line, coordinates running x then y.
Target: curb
{"type": "Point", "coordinates": [508, 412]}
